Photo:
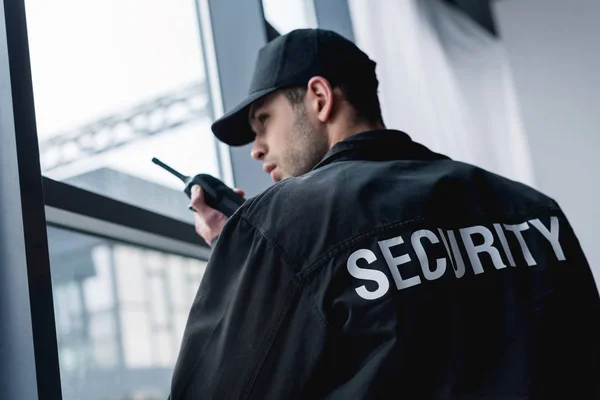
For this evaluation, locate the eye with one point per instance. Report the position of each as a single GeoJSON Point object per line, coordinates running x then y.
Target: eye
{"type": "Point", "coordinates": [262, 118]}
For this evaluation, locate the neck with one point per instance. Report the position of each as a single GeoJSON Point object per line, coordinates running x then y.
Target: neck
{"type": "Point", "coordinates": [343, 132]}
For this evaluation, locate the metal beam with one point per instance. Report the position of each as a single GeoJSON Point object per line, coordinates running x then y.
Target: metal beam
{"type": "Point", "coordinates": [87, 212]}
{"type": "Point", "coordinates": [152, 117]}
{"type": "Point", "coordinates": [28, 350]}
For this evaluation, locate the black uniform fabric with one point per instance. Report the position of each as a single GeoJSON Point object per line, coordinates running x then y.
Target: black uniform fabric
{"type": "Point", "coordinates": [392, 272]}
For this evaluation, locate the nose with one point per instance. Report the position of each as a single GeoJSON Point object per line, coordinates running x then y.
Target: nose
{"type": "Point", "coordinates": [258, 151]}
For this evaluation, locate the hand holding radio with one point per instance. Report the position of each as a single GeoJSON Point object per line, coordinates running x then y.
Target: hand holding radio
{"type": "Point", "coordinates": [212, 201]}
{"type": "Point", "coordinates": [208, 221]}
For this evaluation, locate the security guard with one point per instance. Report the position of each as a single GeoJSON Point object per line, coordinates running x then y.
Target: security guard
{"type": "Point", "coordinates": [375, 268]}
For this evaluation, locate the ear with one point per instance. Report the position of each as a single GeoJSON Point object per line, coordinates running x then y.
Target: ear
{"type": "Point", "coordinates": [320, 97]}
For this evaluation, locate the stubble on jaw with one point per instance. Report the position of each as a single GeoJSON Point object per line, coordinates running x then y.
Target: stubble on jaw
{"type": "Point", "coordinates": [308, 146]}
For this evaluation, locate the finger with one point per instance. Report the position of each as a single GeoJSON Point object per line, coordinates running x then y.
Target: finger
{"type": "Point", "coordinates": [197, 199]}
{"type": "Point", "coordinates": [240, 192]}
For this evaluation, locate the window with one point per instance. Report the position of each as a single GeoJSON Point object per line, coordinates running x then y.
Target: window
{"type": "Point", "coordinates": [120, 313]}
{"type": "Point", "coordinates": [117, 82]}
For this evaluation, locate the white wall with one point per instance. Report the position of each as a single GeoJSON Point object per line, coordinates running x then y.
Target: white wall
{"type": "Point", "coordinates": [445, 81]}
{"type": "Point", "coordinates": [554, 49]}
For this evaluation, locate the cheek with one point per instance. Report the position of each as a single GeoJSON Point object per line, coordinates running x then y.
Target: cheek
{"type": "Point", "coordinates": [280, 135]}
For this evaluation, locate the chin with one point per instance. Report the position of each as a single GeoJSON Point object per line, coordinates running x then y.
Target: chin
{"type": "Point", "coordinates": [278, 178]}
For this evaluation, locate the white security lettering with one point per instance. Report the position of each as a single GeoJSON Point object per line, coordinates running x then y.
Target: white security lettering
{"type": "Point", "coordinates": [551, 235]}
{"type": "Point", "coordinates": [367, 274]}
{"type": "Point", "coordinates": [504, 244]}
{"type": "Point", "coordinates": [440, 267]}
{"type": "Point", "coordinates": [445, 242]}
{"type": "Point", "coordinates": [473, 250]}
{"type": "Point", "coordinates": [453, 255]}
{"type": "Point", "coordinates": [517, 229]}
{"type": "Point", "coordinates": [394, 262]}
{"type": "Point", "coordinates": [459, 264]}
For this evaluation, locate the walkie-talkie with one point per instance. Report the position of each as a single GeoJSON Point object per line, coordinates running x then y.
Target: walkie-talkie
{"type": "Point", "coordinates": [216, 194]}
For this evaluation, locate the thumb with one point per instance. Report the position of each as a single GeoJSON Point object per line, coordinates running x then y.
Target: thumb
{"type": "Point", "coordinates": [240, 192]}
{"type": "Point", "coordinates": [197, 198]}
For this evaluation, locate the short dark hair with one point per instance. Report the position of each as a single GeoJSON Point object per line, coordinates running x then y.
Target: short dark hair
{"type": "Point", "coordinates": [362, 95]}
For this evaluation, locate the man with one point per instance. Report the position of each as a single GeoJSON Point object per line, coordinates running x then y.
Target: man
{"type": "Point", "coordinates": [375, 268]}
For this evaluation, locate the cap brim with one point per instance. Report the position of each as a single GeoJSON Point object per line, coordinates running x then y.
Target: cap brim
{"type": "Point", "coordinates": [233, 128]}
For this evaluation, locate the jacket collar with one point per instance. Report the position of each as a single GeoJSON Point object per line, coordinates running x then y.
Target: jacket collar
{"type": "Point", "coordinates": [378, 145]}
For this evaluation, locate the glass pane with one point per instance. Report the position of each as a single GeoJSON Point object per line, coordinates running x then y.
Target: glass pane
{"type": "Point", "coordinates": [285, 16]}
{"type": "Point", "coordinates": [120, 315]}
{"type": "Point", "coordinates": [117, 82]}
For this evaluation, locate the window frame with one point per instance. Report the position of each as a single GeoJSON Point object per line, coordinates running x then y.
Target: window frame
{"type": "Point", "coordinates": [33, 201]}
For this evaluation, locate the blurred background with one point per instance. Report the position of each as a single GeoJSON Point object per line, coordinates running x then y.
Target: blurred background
{"type": "Point", "coordinates": [509, 85]}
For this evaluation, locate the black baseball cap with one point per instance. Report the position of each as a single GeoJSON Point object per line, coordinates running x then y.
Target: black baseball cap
{"type": "Point", "coordinates": [292, 60]}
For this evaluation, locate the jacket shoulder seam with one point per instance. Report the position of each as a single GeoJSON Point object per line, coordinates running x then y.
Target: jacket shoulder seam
{"type": "Point", "coordinates": [254, 201]}
{"type": "Point", "coordinates": [278, 249]}
{"type": "Point", "coordinates": [321, 318]}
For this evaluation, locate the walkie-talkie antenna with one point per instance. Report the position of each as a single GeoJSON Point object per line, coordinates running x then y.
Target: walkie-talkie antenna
{"type": "Point", "coordinates": [184, 178]}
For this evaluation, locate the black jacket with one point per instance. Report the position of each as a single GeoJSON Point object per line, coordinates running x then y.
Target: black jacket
{"type": "Point", "coordinates": [392, 272]}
